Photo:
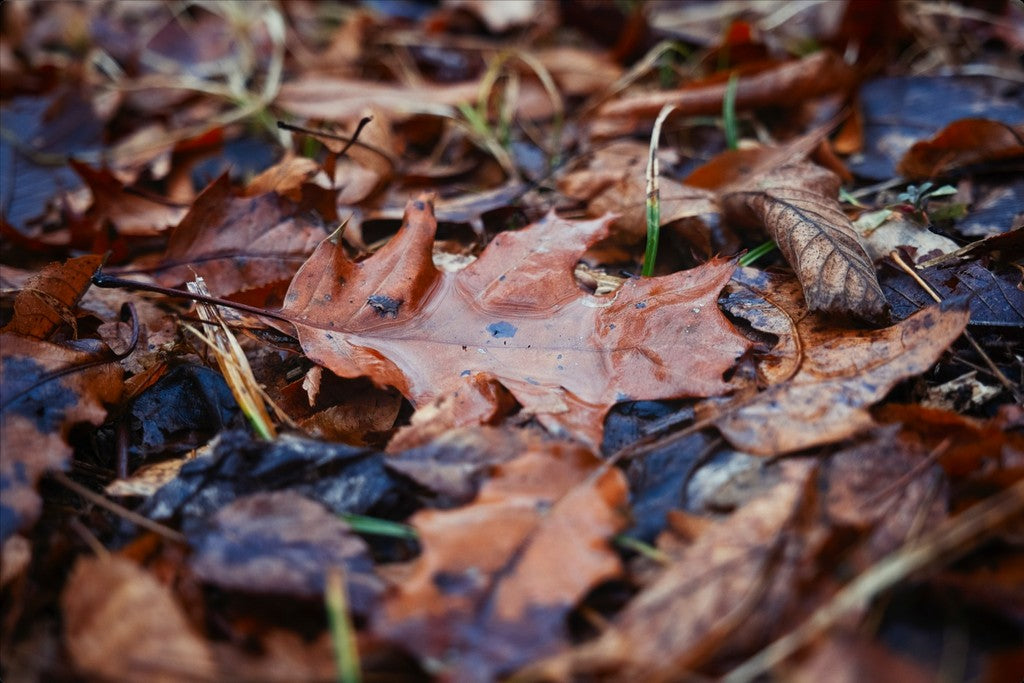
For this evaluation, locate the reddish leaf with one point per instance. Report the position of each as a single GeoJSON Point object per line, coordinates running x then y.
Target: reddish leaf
{"type": "Point", "coordinates": [842, 372]}
{"type": "Point", "coordinates": [39, 406]}
{"type": "Point", "coordinates": [515, 314]}
{"type": "Point", "coordinates": [962, 143]}
{"type": "Point", "coordinates": [498, 577]}
{"type": "Point", "coordinates": [121, 624]}
{"type": "Point", "coordinates": [48, 299]}
{"type": "Point", "coordinates": [238, 243]}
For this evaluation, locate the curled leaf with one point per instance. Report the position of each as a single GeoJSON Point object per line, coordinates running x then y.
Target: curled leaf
{"type": "Point", "coordinates": [797, 205]}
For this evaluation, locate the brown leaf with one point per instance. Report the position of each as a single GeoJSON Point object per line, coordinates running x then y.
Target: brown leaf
{"type": "Point", "coordinates": [719, 593]}
{"type": "Point", "coordinates": [131, 213]}
{"type": "Point", "coordinates": [784, 84]}
{"type": "Point", "coordinates": [238, 243]}
{"type": "Point", "coordinates": [614, 182]}
{"type": "Point", "coordinates": [40, 404]}
{"type": "Point", "coordinates": [517, 315]}
{"type": "Point", "coordinates": [497, 578]}
{"type": "Point", "coordinates": [842, 372]}
{"type": "Point", "coordinates": [280, 543]}
{"type": "Point", "coordinates": [962, 143]}
{"type": "Point", "coordinates": [329, 98]}
{"type": "Point", "coordinates": [121, 624]}
{"type": "Point", "coordinates": [797, 205]}
{"type": "Point", "coordinates": [286, 178]}
{"type": "Point", "coordinates": [48, 299]}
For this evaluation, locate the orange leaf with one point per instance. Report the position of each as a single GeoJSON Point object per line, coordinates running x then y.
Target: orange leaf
{"type": "Point", "coordinates": [47, 299]}
{"type": "Point", "coordinates": [962, 143]}
{"type": "Point", "coordinates": [518, 315]}
{"type": "Point", "coordinates": [497, 578]}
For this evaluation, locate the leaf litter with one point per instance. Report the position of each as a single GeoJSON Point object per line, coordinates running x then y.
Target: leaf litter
{"type": "Point", "coordinates": [500, 448]}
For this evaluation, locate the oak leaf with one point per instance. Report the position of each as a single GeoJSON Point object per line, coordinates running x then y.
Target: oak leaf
{"type": "Point", "coordinates": [48, 298]}
{"type": "Point", "coordinates": [517, 315]}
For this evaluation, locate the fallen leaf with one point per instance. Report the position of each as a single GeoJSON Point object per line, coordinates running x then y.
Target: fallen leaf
{"type": "Point", "coordinates": [515, 314]}
{"type": "Point", "coordinates": [579, 72]}
{"type": "Point", "coordinates": [121, 624]}
{"type": "Point", "coordinates": [797, 204]}
{"type": "Point", "coordinates": [966, 142]}
{"type": "Point", "coordinates": [132, 213]}
{"type": "Point", "coordinates": [794, 81]}
{"type": "Point", "coordinates": [843, 371]}
{"type": "Point", "coordinates": [41, 401]}
{"type": "Point", "coordinates": [614, 182]}
{"type": "Point", "coordinates": [48, 299]}
{"type": "Point", "coordinates": [238, 243]}
{"type": "Point", "coordinates": [896, 230]}
{"type": "Point", "coordinates": [846, 658]}
{"type": "Point", "coordinates": [993, 296]}
{"type": "Point", "coordinates": [286, 178]}
{"type": "Point", "coordinates": [280, 544]}
{"type": "Point", "coordinates": [342, 478]}
{"type": "Point", "coordinates": [726, 592]}
{"type": "Point", "coordinates": [491, 589]}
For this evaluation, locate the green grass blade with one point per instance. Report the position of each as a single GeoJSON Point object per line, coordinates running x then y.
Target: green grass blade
{"type": "Point", "coordinates": [757, 252]}
{"type": "Point", "coordinates": [346, 654]}
{"type": "Point", "coordinates": [732, 136]}
{"type": "Point", "coordinates": [375, 526]}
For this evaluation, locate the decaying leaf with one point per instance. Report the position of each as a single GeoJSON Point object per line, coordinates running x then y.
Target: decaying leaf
{"type": "Point", "coordinates": [280, 544]}
{"type": "Point", "coordinates": [48, 298]}
{"type": "Point", "coordinates": [40, 400]}
{"type": "Point", "coordinates": [517, 315]}
{"type": "Point", "coordinates": [843, 371]}
{"type": "Point", "coordinates": [121, 624]}
{"type": "Point", "coordinates": [722, 592]}
{"type": "Point", "coordinates": [238, 243]}
{"type": "Point", "coordinates": [797, 204]}
{"type": "Point", "coordinates": [131, 213]}
{"type": "Point", "coordinates": [497, 578]}
{"type": "Point", "coordinates": [962, 143]}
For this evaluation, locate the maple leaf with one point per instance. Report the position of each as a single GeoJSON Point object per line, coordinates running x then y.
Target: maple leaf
{"type": "Point", "coordinates": [518, 315]}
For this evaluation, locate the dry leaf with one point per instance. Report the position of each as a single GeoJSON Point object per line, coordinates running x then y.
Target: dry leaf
{"type": "Point", "coordinates": [121, 624]}
{"type": "Point", "coordinates": [515, 314]}
{"type": "Point", "coordinates": [48, 298]}
{"type": "Point", "coordinates": [497, 578]}
{"type": "Point", "coordinates": [797, 204]}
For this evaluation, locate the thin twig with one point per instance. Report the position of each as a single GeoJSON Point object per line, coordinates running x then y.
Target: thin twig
{"type": "Point", "coordinates": [951, 540]}
{"type": "Point", "coordinates": [119, 510]}
{"type": "Point", "coordinates": [993, 368]}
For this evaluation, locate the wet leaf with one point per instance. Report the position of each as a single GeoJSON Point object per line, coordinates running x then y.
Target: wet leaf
{"type": "Point", "coordinates": [48, 298]}
{"type": "Point", "coordinates": [797, 204]}
{"type": "Point", "coordinates": [342, 478]}
{"type": "Point", "coordinates": [280, 544]}
{"type": "Point", "coordinates": [130, 212]}
{"type": "Point", "coordinates": [517, 315]}
{"type": "Point", "coordinates": [238, 243]}
{"type": "Point", "coordinates": [725, 591]}
{"type": "Point", "coordinates": [782, 84]}
{"type": "Point", "coordinates": [41, 401]}
{"type": "Point", "coordinates": [120, 623]}
{"type": "Point", "coordinates": [842, 373]}
{"type": "Point", "coordinates": [966, 142]}
{"type": "Point", "coordinates": [491, 590]}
